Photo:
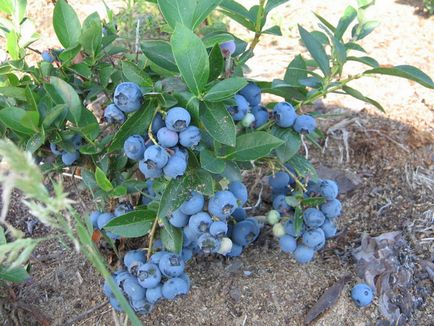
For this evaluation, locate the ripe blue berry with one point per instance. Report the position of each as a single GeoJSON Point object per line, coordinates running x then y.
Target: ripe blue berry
{"type": "Point", "coordinates": [194, 204]}
{"type": "Point", "coordinates": [177, 119]}
{"type": "Point", "coordinates": [284, 114]}
{"type": "Point", "coordinates": [328, 189]}
{"type": "Point", "coordinates": [174, 287]}
{"type": "Point", "coordinates": [190, 137]}
{"type": "Point", "coordinates": [303, 254]}
{"type": "Point", "coordinates": [167, 137]}
{"type": "Point", "coordinates": [178, 219]}
{"type": "Point", "coordinates": [252, 93]}
{"type": "Point", "coordinates": [314, 239]}
{"type": "Point", "coordinates": [154, 294]}
{"type": "Point", "coordinates": [123, 208]}
{"type": "Point", "coordinates": [245, 232]}
{"type": "Point", "coordinates": [329, 229]}
{"type": "Point", "coordinates": [280, 204]}
{"type": "Point", "coordinates": [287, 244]}
{"type": "Point", "coordinates": [149, 193]}
{"type": "Point", "coordinates": [239, 190]}
{"type": "Point", "coordinates": [290, 229]}
{"type": "Point", "coordinates": [261, 118]}
{"type": "Point", "coordinates": [228, 48]}
{"type": "Point", "coordinates": [155, 258]}
{"type": "Point", "coordinates": [149, 173]}
{"type": "Point", "coordinates": [313, 217]}
{"type": "Point", "coordinates": [103, 219]}
{"type": "Point", "coordinates": [148, 275]}
{"type": "Point", "coordinates": [189, 235]}
{"type": "Point", "coordinates": [171, 265]}
{"type": "Point", "coordinates": [134, 147]}
{"type": "Point", "coordinates": [93, 217]}
{"type": "Point", "coordinates": [186, 254]}
{"type": "Point", "coordinates": [76, 141]}
{"type": "Point", "coordinates": [240, 109]}
{"type": "Point", "coordinates": [200, 223]}
{"type": "Point", "coordinates": [208, 244]}
{"type": "Point", "coordinates": [176, 166]}
{"type": "Point", "coordinates": [128, 97]}
{"type": "Point", "coordinates": [279, 180]}
{"type": "Point", "coordinates": [222, 204]}
{"type": "Point", "coordinates": [304, 124]}
{"type": "Point", "coordinates": [54, 149]}
{"type": "Point", "coordinates": [218, 229]}
{"type": "Point", "coordinates": [134, 256]}
{"type": "Point", "coordinates": [362, 294]}
{"type": "Point", "coordinates": [157, 123]}
{"type": "Point", "coordinates": [331, 208]}
{"type": "Point", "coordinates": [47, 56]}
{"type": "Point", "coordinates": [68, 158]}
{"type": "Point", "coordinates": [115, 304]}
{"type": "Point", "coordinates": [106, 289]}
{"type": "Point", "coordinates": [113, 115]}
{"type": "Point", "coordinates": [156, 157]}
{"type": "Point", "coordinates": [142, 306]}
{"type": "Point", "coordinates": [236, 250]}
{"type": "Point", "coordinates": [133, 289]}
{"type": "Point", "coordinates": [239, 214]}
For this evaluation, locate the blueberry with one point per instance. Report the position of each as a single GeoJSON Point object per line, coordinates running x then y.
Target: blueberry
{"type": "Point", "coordinates": [128, 97]}
{"type": "Point", "coordinates": [279, 180]}
{"type": "Point", "coordinates": [121, 276]}
{"type": "Point", "coordinates": [189, 235]}
{"type": "Point", "coordinates": [142, 306]}
{"type": "Point", "coordinates": [186, 254]}
{"type": "Point", "coordinates": [303, 254]}
{"type": "Point", "coordinates": [261, 118]}
{"type": "Point", "coordinates": [115, 304]}
{"type": "Point", "coordinates": [312, 188]}
{"type": "Point", "coordinates": [208, 244]}
{"type": "Point", "coordinates": [155, 258]}
{"type": "Point", "coordinates": [290, 229]}
{"type": "Point", "coordinates": [68, 158]}
{"type": "Point", "coordinates": [222, 204]}
{"type": "Point", "coordinates": [134, 256]}
{"type": "Point", "coordinates": [176, 165]}
{"type": "Point", "coordinates": [331, 208]}
{"type": "Point", "coordinates": [245, 232]}
{"type": "Point", "coordinates": [194, 204]}
{"type": "Point", "coordinates": [47, 56]}
{"type": "Point", "coordinates": [362, 295]}
{"type": "Point", "coordinates": [54, 149]}
{"type": "Point", "coordinates": [248, 120]}
{"type": "Point", "coordinates": [252, 93]}
{"type": "Point", "coordinates": [113, 115]}
{"type": "Point", "coordinates": [239, 110]}
{"type": "Point", "coordinates": [190, 137]}
{"type": "Point", "coordinates": [106, 289]}
{"type": "Point", "coordinates": [133, 289]}
{"type": "Point", "coordinates": [148, 193]}
{"type": "Point", "coordinates": [149, 173]}
{"type": "Point", "coordinates": [328, 189]}
{"type": "Point", "coordinates": [123, 208]}
{"type": "Point", "coordinates": [174, 287]}
{"type": "Point", "coordinates": [284, 114]}
{"type": "Point", "coordinates": [218, 229]}
{"type": "Point", "coordinates": [103, 219]}
{"type": "Point", "coordinates": [134, 147]}
{"type": "Point", "coordinates": [329, 229]}
{"type": "Point", "coordinates": [304, 124]}
{"type": "Point", "coordinates": [273, 217]}
{"type": "Point", "coordinates": [178, 219]}
{"type": "Point", "coordinates": [200, 223]}
{"type": "Point", "coordinates": [225, 246]}
{"type": "Point", "coordinates": [157, 123]}
{"type": "Point", "coordinates": [314, 239]}
{"type": "Point", "coordinates": [280, 204]}
{"type": "Point", "coordinates": [239, 190]}
{"type": "Point", "coordinates": [156, 157]}
{"type": "Point", "coordinates": [187, 280]}
{"type": "Point", "coordinates": [167, 138]}
{"type": "Point", "coordinates": [313, 217]}
{"type": "Point", "coordinates": [171, 265]}
{"type": "Point", "coordinates": [228, 48]}
{"type": "Point", "coordinates": [148, 275]}
{"type": "Point", "coordinates": [236, 250]}
{"type": "Point", "coordinates": [239, 214]}
{"type": "Point", "coordinates": [154, 294]}
{"type": "Point", "coordinates": [177, 119]}
{"type": "Point", "coordinates": [93, 217]}
{"type": "Point", "coordinates": [288, 244]}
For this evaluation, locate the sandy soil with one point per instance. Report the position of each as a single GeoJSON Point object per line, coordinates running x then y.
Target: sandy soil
{"type": "Point", "coordinates": [391, 153]}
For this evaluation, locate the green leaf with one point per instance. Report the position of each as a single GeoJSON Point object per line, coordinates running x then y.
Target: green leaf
{"type": "Point", "coordinates": [6, 7]}
{"type": "Point", "coordinates": [20, 120]}
{"type": "Point", "coordinates": [211, 39]}
{"type": "Point", "coordinates": [218, 122]}
{"type": "Point", "coordinates": [238, 13]}
{"type": "Point", "coordinates": [225, 89]}
{"type": "Point", "coordinates": [36, 141]}
{"type": "Point", "coordinates": [69, 96]}
{"type": "Point", "coordinates": [173, 196]}
{"type": "Point", "coordinates": [12, 46]}
{"type": "Point", "coordinates": [366, 60]}
{"type": "Point", "coordinates": [216, 63]}
{"type": "Point", "coordinates": [253, 146]}
{"type": "Point", "coordinates": [69, 54]}
{"type": "Point", "coordinates": [271, 4]}
{"type": "Point", "coordinates": [137, 123]}
{"type": "Point", "coordinates": [91, 34]}
{"type": "Point", "coordinates": [88, 124]}
{"type": "Point", "coordinates": [312, 201]}
{"type": "Point", "coordinates": [191, 58]}
{"type": "Point", "coordinates": [291, 146]}
{"type": "Point", "coordinates": [15, 275]}
{"type": "Point", "coordinates": [199, 180]}
{"type": "Point", "coordinates": [178, 12]}
{"type": "Point", "coordinates": [136, 75]}
{"type": "Point", "coordinates": [296, 71]}
{"type": "Point", "coordinates": [326, 23]}
{"type": "Point", "coordinates": [349, 15]}
{"type": "Point", "coordinates": [14, 92]}
{"type": "Point", "coordinates": [160, 53]}
{"type": "Point", "coordinates": [355, 93]}
{"type": "Point", "coordinates": [134, 224]}
{"type": "Point", "coordinates": [66, 24]}
{"type": "Point", "coordinates": [171, 237]}
{"type": "Point", "coordinates": [340, 52]}
{"type": "Point", "coordinates": [354, 46]}
{"type": "Point", "coordinates": [303, 167]}
{"type": "Point", "coordinates": [404, 71]}
{"type": "Point", "coordinates": [211, 163]}
{"type": "Point", "coordinates": [102, 181]}
{"type": "Point", "coordinates": [2, 236]}
{"type": "Point", "coordinates": [316, 50]}
{"type": "Point", "coordinates": [275, 30]}
{"type": "Point", "coordinates": [360, 32]}
{"type": "Point", "coordinates": [203, 9]}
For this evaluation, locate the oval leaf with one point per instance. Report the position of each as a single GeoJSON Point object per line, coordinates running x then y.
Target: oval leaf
{"type": "Point", "coordinates": [316, 50]}
{"type": "Point", "coordinates": [69, 97]}
{"type": "Point", "coordinates": [102, 180]}
{"type": "Point", "coordinates": [218, 122]}
{"type": "Point", "coordinates": [225, 89]}
{"type": "Point", "coordinates": [133, 224]}
{"type": "Point", "coordinates": [66, 24]}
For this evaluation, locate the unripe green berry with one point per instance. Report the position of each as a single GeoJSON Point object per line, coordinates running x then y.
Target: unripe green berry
{"type": "Point", "coordinates": [278, 230]}
{"type": "Point", "coordinates": [225, 246]}
{"type": "Point", "coordinates": [248, 119]}
{"type": "Point", "coordinates": [273, 217]}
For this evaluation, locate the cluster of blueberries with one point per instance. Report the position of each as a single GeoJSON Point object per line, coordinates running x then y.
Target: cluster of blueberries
{"type": "Point", "coordinates": [318, 224]}
{"type": "Point", "coordinates": [68, 157]}
{"type": "Point", "coordinates": [146, 282]}
{"type": "Point", "coordinates": [251, 113]}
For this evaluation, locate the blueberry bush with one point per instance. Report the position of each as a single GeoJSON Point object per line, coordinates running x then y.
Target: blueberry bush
{"type": "Point", "coordinates": [161, 133]}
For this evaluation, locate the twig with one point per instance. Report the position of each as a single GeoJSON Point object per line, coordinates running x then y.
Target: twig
{"type": "Point", "coordinates": [85, 314]}
{"type": "Point", "coordinates": [137, 39]}
{"type": "Point", "coordinates": [306, 149]}
{"type": "Point", "coordinates": [151, 237]}
{"type": "Point", "coordinates": [389, 138]}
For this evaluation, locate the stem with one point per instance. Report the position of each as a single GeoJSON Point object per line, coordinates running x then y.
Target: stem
{"type": "Point", "coordinates": [258, 25]}
{"type": "Point", "coordinates": [293, 176]}
{"type": "Point", "coordinates": [151, 237]}
{"type": "Point", "coordinates": [150, 134]}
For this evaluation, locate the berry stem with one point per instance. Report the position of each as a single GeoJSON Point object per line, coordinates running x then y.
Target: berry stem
{"type": "Point", "coordinates": [293, 176]}
{"type": "Point", "coordinates": [151, 237]}
{"type": "Point", "coordinates": [150, 134]}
